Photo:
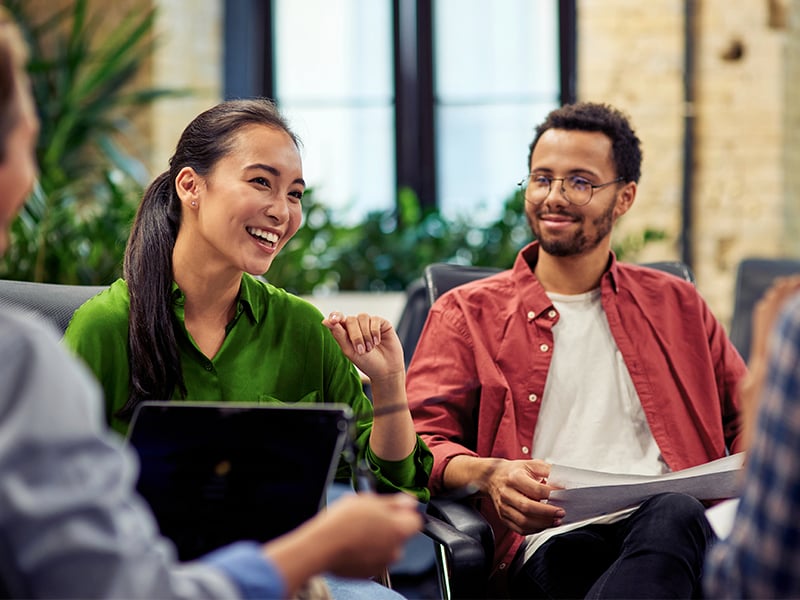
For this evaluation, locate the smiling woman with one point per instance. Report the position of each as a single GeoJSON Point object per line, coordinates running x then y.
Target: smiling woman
{"type": "Point", "coordinates": [191, 320]}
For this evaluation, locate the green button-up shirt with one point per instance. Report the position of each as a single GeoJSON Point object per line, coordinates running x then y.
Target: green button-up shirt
{"type": "Point", "coordinates": [275, 350]}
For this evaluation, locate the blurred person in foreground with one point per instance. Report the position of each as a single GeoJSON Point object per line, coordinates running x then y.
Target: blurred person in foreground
{"type": "Point", "coordinates": [760, 558]}
{"type": "Point", "coordinates": [71, 524]}
{"type": "Point", "coordinates": [575, 358]}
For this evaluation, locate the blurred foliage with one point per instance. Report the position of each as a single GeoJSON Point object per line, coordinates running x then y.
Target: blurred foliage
{"type": "Point", "coordinates": [389, 249]}
{"type": "Point", "coordinates": [74, 227]}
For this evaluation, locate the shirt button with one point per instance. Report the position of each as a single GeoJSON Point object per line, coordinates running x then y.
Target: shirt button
{"type": "Point", "coordinates": [209, 367]}
{"type": "Point", "coordinates": [501, 566]}
{"type": "Point", "coordinates": [531, 315]}
{"type": "Point", "coordinates": [544, 347]}
{"type": "Point", "coordinates": [533, 397]}
{"type": "Point", "coordinates": [525, 450]}
{"type": "Point", "coordinates": [551, 313]}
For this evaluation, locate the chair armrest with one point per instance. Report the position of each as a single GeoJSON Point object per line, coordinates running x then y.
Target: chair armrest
{"type": "Point", "coordinates": [466, 519]}
{"type": "Point", "coordinates": [461, 561]}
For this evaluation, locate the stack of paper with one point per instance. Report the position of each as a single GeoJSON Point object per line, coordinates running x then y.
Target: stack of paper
{"type": "Point", "coordinates": [587, 494]}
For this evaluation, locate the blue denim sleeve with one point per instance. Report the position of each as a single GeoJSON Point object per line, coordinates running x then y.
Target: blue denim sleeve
{"type": "Point", "coordinates": [245, 564]}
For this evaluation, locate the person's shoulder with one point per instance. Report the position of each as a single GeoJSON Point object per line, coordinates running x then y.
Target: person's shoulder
{"type": "Point", "coordinates": [648, 277]}
{"type": "Point", "coordinates": [494, 284]}
{"type": "Point", "coordinates": [26, 335]}
{"type": "Point", "coordinates": [109, 308]}
{"type": "Point", "coordinates": [22, 325]}
{"type": "Point", "coordinates": [113, 299]}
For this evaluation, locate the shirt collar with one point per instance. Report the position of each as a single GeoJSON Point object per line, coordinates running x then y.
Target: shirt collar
{"type": "Point", "coordinates": [534, 297]}
{"type": "Point", "coordinates": [249, 302]}
{"type": "Point", "coordinates": [611, 273]}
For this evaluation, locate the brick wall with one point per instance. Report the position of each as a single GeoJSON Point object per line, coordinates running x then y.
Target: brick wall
{"type": "Point", "coordinates": [189, 55]}
{"type": "Point", "coordinates": [746, 167]}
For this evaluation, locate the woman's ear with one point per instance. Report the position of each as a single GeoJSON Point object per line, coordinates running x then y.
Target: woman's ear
{"type": "Point", "coordinates": [187, 185]}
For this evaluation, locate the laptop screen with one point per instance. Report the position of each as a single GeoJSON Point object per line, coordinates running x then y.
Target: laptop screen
{"type": "Point", "coordinates": [214, 473]}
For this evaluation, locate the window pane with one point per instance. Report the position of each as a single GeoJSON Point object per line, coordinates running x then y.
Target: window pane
{"type": "Point", "coordinates": [333, 79]}
{"type": "Point", "coordinates": [496, 76]}
{"type": "Point", "coordinates": [481, 154]}
{"type": "Point", "coordinates": [348, 157]}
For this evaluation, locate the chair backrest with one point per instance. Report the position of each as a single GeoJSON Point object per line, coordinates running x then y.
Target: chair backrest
{"type": "Point", "coordinates": [676, 267]}
{"type": "Point", "coordinates": [409, 325]}
{"type": "Point", "coordinates": [441, 277]}
{"type": "Point", "coordinates": [754, 276]}
{"type": "Point", "coordinates": [55, 302]}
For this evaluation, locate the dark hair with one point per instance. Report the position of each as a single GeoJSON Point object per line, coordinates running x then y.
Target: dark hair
{"type": "Point", "coordinates": [589, 116]}
{"type": "Point", "coordinates": [154, 359]}
{"type": "Point", "coordinates": [13, 56]}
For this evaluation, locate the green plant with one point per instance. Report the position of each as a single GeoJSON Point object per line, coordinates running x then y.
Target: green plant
{"type": "Point", "coordinates": [386, 251]}
{"type": "Point", "coordinates": [74, 227]}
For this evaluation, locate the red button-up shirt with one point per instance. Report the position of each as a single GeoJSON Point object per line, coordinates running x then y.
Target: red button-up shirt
{"type": "Point", "coordinates": [477, 376]}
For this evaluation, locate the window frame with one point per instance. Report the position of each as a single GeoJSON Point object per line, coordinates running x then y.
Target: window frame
{"type": "Point", "coordinates": [248, 71]}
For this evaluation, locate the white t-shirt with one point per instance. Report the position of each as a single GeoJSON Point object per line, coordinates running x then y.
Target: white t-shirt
{"type": "Point", "coordinates": [591, 416]}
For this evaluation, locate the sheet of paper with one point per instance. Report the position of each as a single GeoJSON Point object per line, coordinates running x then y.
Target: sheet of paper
{"type": "Point", "coordinates": [721, 516]}
{"type": "Point", "coordinates": [588, 494]}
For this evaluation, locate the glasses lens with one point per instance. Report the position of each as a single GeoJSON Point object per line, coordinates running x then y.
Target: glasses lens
{"type": "Point", "coordinates": [536, 187]}
{"type": "Point", "coordinates": [579, 190]}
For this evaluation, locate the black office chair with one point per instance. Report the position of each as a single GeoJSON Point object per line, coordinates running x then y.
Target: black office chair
{"type": "Point", "coordinates": [753, 277]}
{"type": "Point", "coordinates": [409, 325]}
{"type": "Point", "coordinates": [675, 267]}
{"type": "Point", "coordinates": [55, 302]}
{"type": "Point", "coordinates": [466, 575]}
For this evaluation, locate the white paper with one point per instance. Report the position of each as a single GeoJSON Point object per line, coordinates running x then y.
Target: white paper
{"type": "Point", "coordinates": [589, 494]}
{"type": "Point", "coordinates": [721, 516]}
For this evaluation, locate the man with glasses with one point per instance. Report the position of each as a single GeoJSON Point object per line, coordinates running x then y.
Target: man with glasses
{"type": "Point", "coordinates": [574, 358]}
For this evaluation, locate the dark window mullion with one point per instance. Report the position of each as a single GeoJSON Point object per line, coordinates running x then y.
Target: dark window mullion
{"type": "Point", "coordinates": [414, 98]}
{"type": "Point", "coordinates": [248, 53]}
{"type": "Point", "coordinates": [567, 48]}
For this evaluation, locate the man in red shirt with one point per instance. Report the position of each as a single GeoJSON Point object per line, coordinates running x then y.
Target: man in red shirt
{"type": "Point", "coordinates": [572, 357]}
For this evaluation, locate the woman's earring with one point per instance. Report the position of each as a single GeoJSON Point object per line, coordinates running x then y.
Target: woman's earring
{"type": "Point", "coordinates": [194, 203]}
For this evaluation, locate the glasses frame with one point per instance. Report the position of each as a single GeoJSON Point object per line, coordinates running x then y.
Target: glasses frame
{"type": "Point", "coordinates": [523, 186]}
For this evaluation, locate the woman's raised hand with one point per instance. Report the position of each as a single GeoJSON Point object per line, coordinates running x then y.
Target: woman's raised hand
{"type": "Point", "coordinates": [369, 341]}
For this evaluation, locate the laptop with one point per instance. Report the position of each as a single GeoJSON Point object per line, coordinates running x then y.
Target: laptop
{"type": "Point", "coordinates": [215, 473]}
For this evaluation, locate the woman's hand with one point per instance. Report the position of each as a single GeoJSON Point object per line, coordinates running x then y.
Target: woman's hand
{"type": "Point", "coordinates": [370, 342]}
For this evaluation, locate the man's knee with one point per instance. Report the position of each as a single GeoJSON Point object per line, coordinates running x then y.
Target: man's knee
{"type": "Point", "coordinates": [674, 514]}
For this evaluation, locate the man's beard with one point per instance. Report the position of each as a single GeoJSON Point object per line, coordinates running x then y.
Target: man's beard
{"type": "Point", "coordinates": [580, 242]}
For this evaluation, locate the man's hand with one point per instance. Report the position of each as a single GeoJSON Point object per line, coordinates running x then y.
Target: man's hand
{"type": "Point", "coordinates": [519, 491]}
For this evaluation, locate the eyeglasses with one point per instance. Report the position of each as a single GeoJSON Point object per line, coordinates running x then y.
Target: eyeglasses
{"type": "Point", "coordinates": [576, 190]}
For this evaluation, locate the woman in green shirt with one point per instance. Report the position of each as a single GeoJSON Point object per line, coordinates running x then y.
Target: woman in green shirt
{"type": "Point", "coordinates": [190, 321]}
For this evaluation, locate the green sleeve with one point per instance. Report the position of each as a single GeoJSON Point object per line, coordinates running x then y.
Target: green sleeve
{"type": "Point", "coordinates": [98, 335]}
{"type": "Point", "coordinates": [408, 475]}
